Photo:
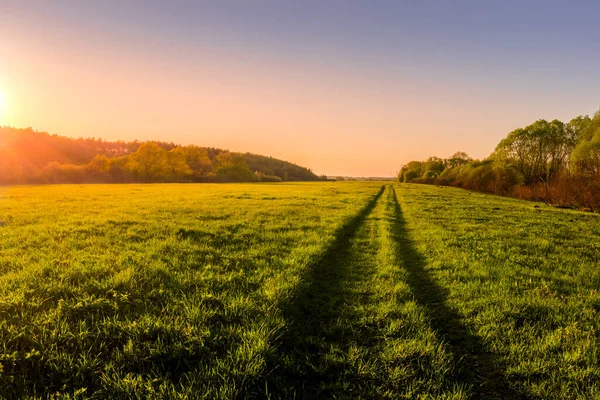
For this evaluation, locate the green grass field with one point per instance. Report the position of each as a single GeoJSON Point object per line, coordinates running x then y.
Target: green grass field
{"type": "Point", "coordinates": [304, 290]}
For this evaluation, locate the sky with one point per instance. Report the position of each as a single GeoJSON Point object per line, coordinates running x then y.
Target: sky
{"type": "Point", "coordinates": [353, 88]}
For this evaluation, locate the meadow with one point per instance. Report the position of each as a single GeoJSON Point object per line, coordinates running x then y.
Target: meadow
{"type": "Point", "coordinates": [295, 290]}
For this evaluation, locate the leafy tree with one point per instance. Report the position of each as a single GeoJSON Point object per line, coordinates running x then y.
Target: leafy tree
{"type": "Point", "coordinates": [118, 170]}
{"type": "Point", "coordinates": [232, 167]}
{"type": "Point", "coordinates": [429, 174]}
{"type": "Point", "coordinates": [25, 152]}
{"type": "Point", "coordinates": [198, 161]}
{"type": "Point", "coordinates": [97, 169]}
{"type": "Point", "coordinates": [149, 162]}
{"type": "Point", "coordinates": [433, 164]}
{"type": "Point", "coordinates": [52, 172]}
{"type": "Point", "coordinates": [580, 128]}
{"type": "Point", "coordinates": [538, 151]}
{"type": "Point", "coordinates": [99, 163]}
{"type": "Point", "coordinates": [409, 176]}
{"type": "Point", "coordinates": [586, 157]}
{"type": "Point", "coordinates": [176, 166]}
{"type": "Point", "coordinates": [410, 171]}
{"type": "Point", "coordinates": [457, 159]}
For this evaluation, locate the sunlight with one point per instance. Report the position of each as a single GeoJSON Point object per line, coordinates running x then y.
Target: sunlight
{"type": "Point", "coordinates": [2, 104]}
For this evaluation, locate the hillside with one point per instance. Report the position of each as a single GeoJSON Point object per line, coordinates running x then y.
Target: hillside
{"type": "Point", "coordinates": [30, 156]}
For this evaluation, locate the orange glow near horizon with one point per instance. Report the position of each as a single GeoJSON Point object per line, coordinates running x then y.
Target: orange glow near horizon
{"type": "Point", "coordinates": [2, 105]}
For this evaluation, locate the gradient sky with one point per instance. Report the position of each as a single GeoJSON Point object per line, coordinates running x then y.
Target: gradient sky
{"type": "Point", "coordinates": [342, 87]}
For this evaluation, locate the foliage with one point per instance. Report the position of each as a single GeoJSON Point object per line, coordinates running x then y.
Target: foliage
{"type": "Point", "coordinates": [551, 161]}
{"type": "Point", "coordinates": [28, 156]}
{"type": "Point", "coordinates": [149, 162]}
{"type": "Point", "coordinates": [538, 151]}
{"type": "Point", "coordinates": [198, 162]}
{"type": "Point", "coordinates": [261, 177]}
{"type": "Point", "coordinates": [232, 168]}
{"type": "Point", "coordinates": [410, 175]}
{"type": "Point", "coordinates": [586, 157]}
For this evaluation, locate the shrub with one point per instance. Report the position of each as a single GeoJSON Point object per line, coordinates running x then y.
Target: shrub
{"type": "Point", "coordinates": [410, 176]}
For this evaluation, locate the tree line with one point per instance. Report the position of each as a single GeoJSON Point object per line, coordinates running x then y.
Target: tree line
{"type": "Point", "coordinates": [550, 161]}
{"type": "Point", "coordinates": [29, 156]}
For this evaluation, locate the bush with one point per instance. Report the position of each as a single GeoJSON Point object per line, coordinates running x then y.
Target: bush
{"type": "Point", "coordinates": [430, 175]}
{"type": "Point", "coordinates": [260, 177]}
{"type": "Point", "coordinates": [410, 176]}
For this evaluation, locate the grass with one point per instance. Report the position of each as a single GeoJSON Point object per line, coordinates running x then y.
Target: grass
{"type": "Point", "coordinates": [522, 278]}
{"type": "Point", "coordinates": [308, 290]}
{"type": "Point", "coordinates": [154, 291]}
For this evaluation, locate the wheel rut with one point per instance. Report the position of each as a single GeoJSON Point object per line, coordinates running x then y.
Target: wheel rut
{"type": "Point", "coordinates": [477, 367]}
{"type": "Point", "coordinates": [368, 321]}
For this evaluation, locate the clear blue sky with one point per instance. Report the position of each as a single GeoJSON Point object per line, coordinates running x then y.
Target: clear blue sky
{"type": "Point", "coordinates": [344, 87]}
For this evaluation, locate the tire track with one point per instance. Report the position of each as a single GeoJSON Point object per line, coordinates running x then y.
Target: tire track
{"type": "Point", "coordinates": [368, 321]}
{"type": "Point", "coordinates": [477, 367]}
{"type": "Point", "coordinates": [319, 318]}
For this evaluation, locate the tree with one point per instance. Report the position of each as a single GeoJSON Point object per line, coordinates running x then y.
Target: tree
{"type": "Point", "coordinates": [580, 128]}
{"type": "Point", "coordinates": [233, 168]}
{"type": "Point", "coordinates": [198, 161]}
{"type": "Point", "coordinates": [410, 171]}
{"type": "Point", "coordinates": [52, 172]}
{"type": "Point", "coordinates": [586, 163]}
{"type": "Point", "coordinates": [149, 162]}
{"type": "Point", "coordinates": [433, 164]}
{"type": "Point", "coordinates": [457, 159]}
{"type": "Point", "coordinates": [429, 174]}
{"type": "Point", "coordinates": [118, 171]}
{"type": "Point", "coordinates": [97, 169]}
{"type": "Point", "coordinates": [176, 167]}
{"type": "Point", "coordinates": [538, 151]}
{"type": "Point", "coordinates": [586, 157]}
{"type": "Point", "coordinates": [409, 175]}
{"type": "Point", "coordinates": [100, 163]}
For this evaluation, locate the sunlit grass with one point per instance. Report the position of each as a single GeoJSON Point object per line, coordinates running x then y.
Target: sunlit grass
{"type": "Point", "coordinates": [335, 290]}
{"type": "Point", "coordinates": [522, 277]}
{"type": "Point", "coordinates": [148, 291]}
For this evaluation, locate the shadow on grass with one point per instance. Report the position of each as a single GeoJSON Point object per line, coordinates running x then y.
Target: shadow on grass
{"type": "Point", "coordinates": [477, 367]}
{"type": "Point", "coordinates": [315, 324]}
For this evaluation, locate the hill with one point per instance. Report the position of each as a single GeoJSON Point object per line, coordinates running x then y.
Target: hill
{"type": "Point", "coordinates": [30, 156]}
